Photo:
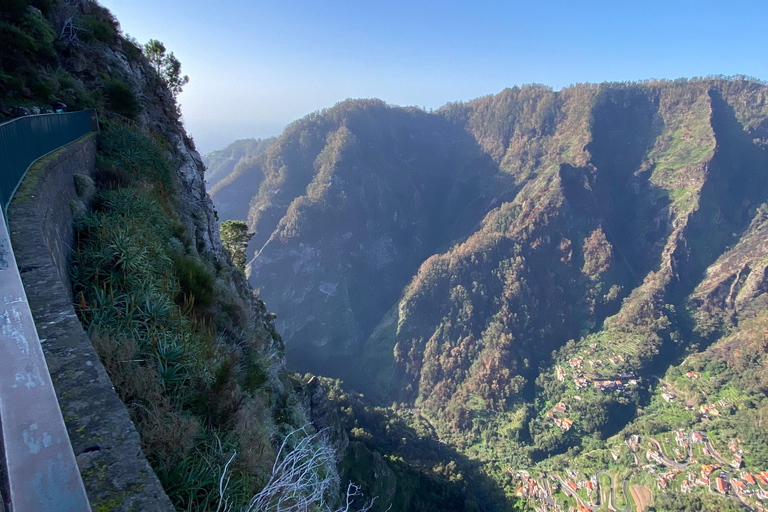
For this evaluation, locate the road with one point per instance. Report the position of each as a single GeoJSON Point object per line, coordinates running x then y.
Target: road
{"type": "Point", "coordinates": [632, 451]}
{"type": "Point", "coordinates": [611, 504]}
{"type": "Point", "coordinates": [548, 499]}
{"type": "Point", "coordinates": [727, 474]}
{"type": "Point", "coordinates": [668, 462]}
{"type": "Point", "coordinates": [712, 452]}
{"type": "Point", "coordinates": [575, 495]}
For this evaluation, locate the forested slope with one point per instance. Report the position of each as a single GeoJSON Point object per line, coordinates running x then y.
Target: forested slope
{"type": "Point", "coordinates": [453, 261]}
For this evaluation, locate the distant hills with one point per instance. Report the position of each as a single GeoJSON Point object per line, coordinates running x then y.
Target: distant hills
{"type": "Point", "coordinates": [453, 260]}
{"type": "Point", "coordinates": [221, 163]}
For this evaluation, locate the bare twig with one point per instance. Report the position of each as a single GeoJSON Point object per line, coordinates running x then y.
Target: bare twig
{"type": "Point", "coordinates": [303, 476]}
{"type": "Point", "coordinates": [223, 502]}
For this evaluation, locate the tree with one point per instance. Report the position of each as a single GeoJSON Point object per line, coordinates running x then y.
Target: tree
{"type": "Point", "coordinates": [235, 238]}
{"type": "Point", "coordinates": [166, 65]}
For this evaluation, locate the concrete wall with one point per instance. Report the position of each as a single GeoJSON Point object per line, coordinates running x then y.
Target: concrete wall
{"type": "Point", "coordinates": [115, 472]}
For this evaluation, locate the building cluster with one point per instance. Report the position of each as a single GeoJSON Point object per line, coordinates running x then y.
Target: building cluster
{"type": "Point", "coordinates": [668, 396]}
{"type": "Point", "coordinates": [620, 383]}
{"type": "Point", "coordinates": [563, 423]}
{"type": "Point", "coordinates": [738, 453]}
{"type": "Point", "coordinates": [654, 456]}
{"type": "Point", "coordinates": [663, 480]}
{"type": "Point", "coordinates": [529, 488]}
{"type": "Point", "coordinates": [712, 409]}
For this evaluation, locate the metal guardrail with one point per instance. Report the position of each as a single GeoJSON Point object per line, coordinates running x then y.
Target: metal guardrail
{"type": "Point", "coordinates": [41, 472]}
{"type": "Point", "coordinates": [26, 139]}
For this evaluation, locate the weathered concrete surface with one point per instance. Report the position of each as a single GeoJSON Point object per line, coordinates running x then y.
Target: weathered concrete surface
{"type": "Point", "coordinates": [115, 472]}
{"type": "Point", "coordinates": [41, 470]}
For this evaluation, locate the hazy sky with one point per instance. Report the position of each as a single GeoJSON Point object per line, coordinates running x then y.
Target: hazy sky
{"type": "Point", "coordinates": [255, 66]}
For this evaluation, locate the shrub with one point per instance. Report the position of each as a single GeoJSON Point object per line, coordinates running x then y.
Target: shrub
{"type": "Point", "coordinates": [136, 154]}
{"type": "Point", "coordinates": [43, 88]}
{"type": "Point", "coordinates": [195, 281]}
{"type": "Point", "coordinates": [132, 49]}
{"type": "Point", "coordinates": [100, 25]}
{"type": "Point", "coordinates": [14, 43]}
{"type": "Point", "coordinates": [99, 30]}
{"type": "Point", "coordinates": [122, 99]}
{"type": "Point", "coordinates": [191, 393]}
{"type": "Point", "coordinates": [40, 30]}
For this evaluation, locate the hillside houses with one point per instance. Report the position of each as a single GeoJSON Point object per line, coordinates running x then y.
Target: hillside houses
{"type": "Point", "coordinates": [602, 385]}
{"type": "Point", "coordinates": [654, 456]}
{"type": "Point", "coordinates": [740, 487]}
{"type": "Point", "coordinates": [721, 486]}
{"type": "Point", "coordinates": [707, 470]}
{"type": "Point", "coordinates": [580, 382]}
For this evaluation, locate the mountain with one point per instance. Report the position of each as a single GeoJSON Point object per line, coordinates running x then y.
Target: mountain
{"type": "Point", "coordinates": [185, 343]}
{"type": "Point", "coordinates": [457, 261]}
{"type": "Point", "coordinates": [222, 162]}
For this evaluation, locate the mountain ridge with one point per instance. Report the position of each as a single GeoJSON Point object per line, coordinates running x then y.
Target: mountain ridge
{"type": "Point", "coordinates": [611, 216]}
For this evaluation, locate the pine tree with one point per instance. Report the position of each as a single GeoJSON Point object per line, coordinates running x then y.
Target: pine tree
{"type": "Point", "coordinates": [235, 238]}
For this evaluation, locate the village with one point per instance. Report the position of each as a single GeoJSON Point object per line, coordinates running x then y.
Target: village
{"type": "Point", "coordinates": [621, 382]}
{"type": "Point", "coordinates": [677, 461]}
{"type": "Point", "coordinates": [581, 490]}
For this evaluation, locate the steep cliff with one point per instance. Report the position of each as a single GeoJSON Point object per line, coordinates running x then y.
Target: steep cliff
{"type": "Point", "coordinates": [189, 348]}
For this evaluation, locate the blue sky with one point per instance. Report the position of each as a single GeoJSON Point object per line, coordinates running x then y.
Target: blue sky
{"type": "Point", "coordinates": [256, 66]}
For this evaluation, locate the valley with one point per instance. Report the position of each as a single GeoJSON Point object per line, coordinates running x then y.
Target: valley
{"type": "Point", "coordinates": [533, 275]}
{"type": "Point", "coordinates": [549, 299]}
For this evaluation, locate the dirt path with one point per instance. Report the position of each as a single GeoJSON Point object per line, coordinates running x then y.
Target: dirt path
{"type": "Point", "coordinates": [642, 496]}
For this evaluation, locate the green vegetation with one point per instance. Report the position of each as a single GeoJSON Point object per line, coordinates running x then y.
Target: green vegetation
{"type": "Point", "coordinates": [195, 394]}
{"type": "Point", "coordinates": [235, 238]}
{"type": "Point", "coordinates": [673, 502]}
{"type": "Point", "coordinates": [54, 51]}
{"type": "Point", "coordinates": [424, 474]}
{"type": "Point", "coordinates": [121, 99]}
{"type": "Point", "coordinates": [602, 242]}
{"type": "Point", "coordinates": [166, 65]}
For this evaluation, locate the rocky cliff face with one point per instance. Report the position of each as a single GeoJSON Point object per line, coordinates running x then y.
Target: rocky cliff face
{"type": "Point", "coordinates": [189, 348]}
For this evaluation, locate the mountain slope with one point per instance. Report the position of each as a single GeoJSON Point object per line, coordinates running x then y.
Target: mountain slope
{"type": "Point", "coordinates": [220, 163]}
{"type": "Point", "coordinates": [453, 261]}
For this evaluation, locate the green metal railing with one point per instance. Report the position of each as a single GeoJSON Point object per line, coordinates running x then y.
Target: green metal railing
{"type": "Point", "coordinates": [26, 139]}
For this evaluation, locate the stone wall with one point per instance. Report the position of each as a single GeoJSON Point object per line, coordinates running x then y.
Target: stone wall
{"type": "Point", "coordinates": [115, 472]}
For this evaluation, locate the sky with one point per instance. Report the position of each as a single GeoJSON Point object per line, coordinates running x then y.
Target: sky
{"type": "Point", "coordinates": [255, 66]}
